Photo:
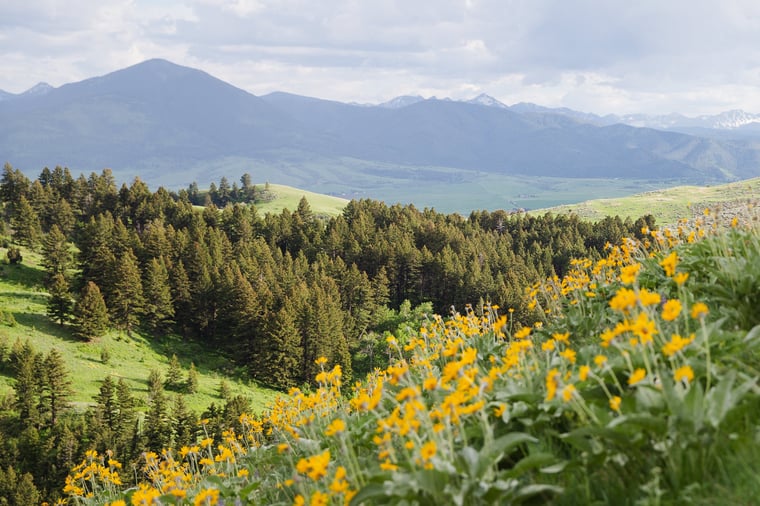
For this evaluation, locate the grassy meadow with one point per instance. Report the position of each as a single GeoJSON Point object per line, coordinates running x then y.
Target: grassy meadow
{"type": "Point", "coordinates": [667, 205]}
{"type": "Point", "coordinates": [637, 384]}
{"type": "Point", "coordinates": [132, 358]}
{"type": "Point", "coordinates": [287, 197]}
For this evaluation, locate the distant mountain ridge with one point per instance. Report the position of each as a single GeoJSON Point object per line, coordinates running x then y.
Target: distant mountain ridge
{"type": "Point", "coordinates": [727, 120]}
{"type": "Point", "coordinates": [160, 120]}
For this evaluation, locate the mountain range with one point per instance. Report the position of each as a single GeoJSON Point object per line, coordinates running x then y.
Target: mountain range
{"type": "Point", "coordinates": [171, 125]}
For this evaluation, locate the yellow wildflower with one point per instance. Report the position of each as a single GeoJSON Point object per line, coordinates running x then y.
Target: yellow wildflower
{"type": "Point", "coordinates": [699, 310]}
{"type": "Point", "coordinates": [207, 497]}
{"type": "Point", "coordinates": [547, 345]}
{"type": "Point", "coordinates": [583, 373]}
{"type": "Point", "coordinates": [638, 375]}
{"type": "Point", "coordinates": [337, 426]}
{"type": "Point", "coordinates": [684, 373]}
{"type": "Point", "coordinates": [669, 264]}
{"type": "Point", "coordinates": [568, 392]}
{"type": "Point", "coordinates": [629, 272]}
{"type": "Point", "coordinates": [319, 498]}
{"type": "Point", "coordinates": [648, 298]}
{"type": "Point", "coordinates": [551, 383]}
{"type": "Point", "coordinates": [145, 495]}
{"type": "Point", "coordinates": [671, 310]}
{"type": "Point", "coordinates": [522, 333]}
{"type": "Point", "coordinates": [387, 465]}
{"type": "Point", "coordinates": [680, 278]}
{"type": "Point", "coordinates": [568, 355]}
{"type": "Point", "coordinates": [644, 328]}
{"type": "Point", "coordinates": [615, 403]}
{"type": "Point", "coordinates": [428, 450]}
{"type": "Point", "coordinates": [624, 300]}
{"type": "Point", "coordinates": [676, 344]}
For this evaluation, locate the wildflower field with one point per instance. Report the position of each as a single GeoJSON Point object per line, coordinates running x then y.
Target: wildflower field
{"type": "Point", "coordinates": [637, 384]}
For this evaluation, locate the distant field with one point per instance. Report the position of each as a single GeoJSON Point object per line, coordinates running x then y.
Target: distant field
{"type": "Point", "coordinates": [448, 190]}
{"type": "Point", "coordinates": [130, 358]}
{"type": "Point", "coordinates": [667, 206]}
{"type": "Point", "coordinates": [289, 197]}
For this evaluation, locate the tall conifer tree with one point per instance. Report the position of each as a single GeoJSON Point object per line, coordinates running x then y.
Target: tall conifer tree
{"type": "Point", "coordinates": [59, 303]}
{"type": "Point", "coordinates": [90, 313]}
{"type": "Point", "coordinates": [158, 308]}
{"type": "Point", "coordinates": [127, 298]}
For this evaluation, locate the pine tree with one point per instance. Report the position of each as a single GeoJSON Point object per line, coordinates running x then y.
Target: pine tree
{"type": "Point", "coordinates": [185, 423]}
{"type": "Point", "coordinates": [191, 385]}
{"type": "Point", "coordinates": [155, 383]}
{"type": "Point", "coordinates": [181, 295]}
{"type": "Point", "coordinates": [56, 257]}
{"type": "Point", "coordinates": [57, 386]}
{"type": "Point", "coordinates": [27, 386]}
{"type": "Point", "coordinates": [125, 422]}
{"type": "Point", "coordinates": [59, 303]}
{"type": "Point", "coordinates": [280, 360]}
{"type": "Point", "coordinates": [107, 406]}
{"type": "Point", "coordinates": [158, 308]}
{"type": "Point", "coordinates": [90, 313]}
{"type": "Point", "coordinates": [224, 390]}
{"type": "Point", "coordinates": [157, 423]}
{"type": "Point", "coordinates": [127, 297]}
{"type": "Point", "coordinates": [174, 374]}
{"type": "Point", "coordinates": [26, 224]}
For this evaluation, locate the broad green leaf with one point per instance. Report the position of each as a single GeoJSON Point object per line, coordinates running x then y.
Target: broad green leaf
{"type": "Point", "coordinates": [531, 462]}
{"type": "Point", "coordinates": [722, 398]}
{"type": "Point", "coordinates": [530, 491]}
{"type": "Point", "coordinates": [752, 338]}
{"type": "Point", "coordinates": [369, 492]}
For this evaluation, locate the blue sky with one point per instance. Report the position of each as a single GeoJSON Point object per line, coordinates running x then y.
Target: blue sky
{"type": "Point", "coordinates": [603, 56]}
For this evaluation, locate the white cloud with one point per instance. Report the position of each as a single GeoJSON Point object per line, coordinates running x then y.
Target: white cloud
{"type": "Point", "coordinates": [693, 56]}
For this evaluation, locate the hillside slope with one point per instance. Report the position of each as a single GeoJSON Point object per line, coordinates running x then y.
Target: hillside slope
{"type": "Point", "coordinates": [668, 205]}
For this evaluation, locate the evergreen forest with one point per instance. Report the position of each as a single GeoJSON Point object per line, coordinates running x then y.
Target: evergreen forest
{"type": "Point", "coordinates": [273, 293]}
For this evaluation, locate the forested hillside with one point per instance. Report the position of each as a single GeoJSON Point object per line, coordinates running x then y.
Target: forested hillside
{"type": "Point", "coordinates": [273, 293]}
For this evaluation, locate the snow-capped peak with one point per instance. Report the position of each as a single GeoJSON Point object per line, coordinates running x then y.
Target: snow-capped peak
{"type": "Point", "coordinates": [402, 101]}
{"type": "Point", "coordinates": [486, 100]}
{"type": "Point", "coordinates": [733, 119]}
{"type": "Point", "coordinates": [38, 89]}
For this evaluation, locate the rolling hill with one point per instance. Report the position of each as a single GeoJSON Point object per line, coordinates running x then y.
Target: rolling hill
{"type": "Point", "coordinates": [667, 205]}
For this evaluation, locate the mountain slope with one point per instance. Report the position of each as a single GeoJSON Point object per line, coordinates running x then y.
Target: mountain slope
{"type": "Point", "coordinates": [165, 122]}
{"type": "Point", "coordinates": [153, 109]}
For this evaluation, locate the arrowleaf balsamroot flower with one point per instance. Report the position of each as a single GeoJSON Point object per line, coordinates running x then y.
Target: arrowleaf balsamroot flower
{"type": "Point", "coordinates": [629, 272]}
{"type": "Point", "coordinates": [637, 375]}
{"type": "Point", "coordinates": [699, 310]}
{"type": "Point", "coordinates": [676, 344]}
{"type": "Point", "coordinates": [337, 426]}
{"type": "Point", "coordinates": [669, 264]}
{"type": "Point", "coordinates": [684, 373]}
{"type": "Point", "coordinates": [671, 309]}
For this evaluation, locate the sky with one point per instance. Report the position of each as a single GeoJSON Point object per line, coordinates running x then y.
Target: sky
{"type": "Point", "coordinates": [603, 56]}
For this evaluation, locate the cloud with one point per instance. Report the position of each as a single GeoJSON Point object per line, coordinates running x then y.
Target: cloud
{"type": "Point", "coordinates": [603, 56]}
